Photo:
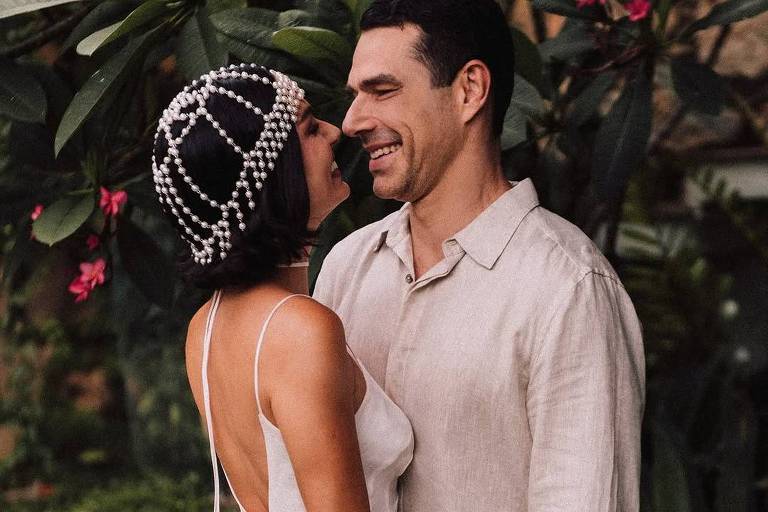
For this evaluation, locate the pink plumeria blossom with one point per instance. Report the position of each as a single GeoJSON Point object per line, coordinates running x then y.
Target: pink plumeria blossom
{"type": "Point", "coordinates": [638, 9]}
{"type": "Point", "coordinates": [91, 276]}
{"type": "Point", "coordinates": [93, 241]}
{"type": "Point", "coordinates": [36, 212]}
{"type": "Point", "coordinates": [111, 202]}
{"type": "Point", "coordinates": [585, 3]}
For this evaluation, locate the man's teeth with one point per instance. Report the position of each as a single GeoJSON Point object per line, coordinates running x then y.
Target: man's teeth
{"type": "Point", "coordinates": [385, 151]}
{"type": "Point", "coordinates": [334, 167]}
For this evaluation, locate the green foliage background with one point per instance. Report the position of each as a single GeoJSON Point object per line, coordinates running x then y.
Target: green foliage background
{"type": "Point", "coordinates": [81, 86]}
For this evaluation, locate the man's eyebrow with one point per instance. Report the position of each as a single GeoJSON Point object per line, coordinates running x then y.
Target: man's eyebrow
{"type": "Point", "coordinates": [371, 83]}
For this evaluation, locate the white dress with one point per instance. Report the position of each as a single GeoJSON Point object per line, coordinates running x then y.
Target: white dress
{"type": "Point", "coordinates": [383, 431]}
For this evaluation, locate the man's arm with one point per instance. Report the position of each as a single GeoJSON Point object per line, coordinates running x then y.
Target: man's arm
{"type": "Point", "coordinates": [324, 284]}
{"type": "Point", "coordinates": [585, 403]}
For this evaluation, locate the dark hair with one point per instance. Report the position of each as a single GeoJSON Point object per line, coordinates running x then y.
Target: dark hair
{"type": "Point", "coordinates": [276, 230]}
{"type": "Point", "coordinates": [453, 33]}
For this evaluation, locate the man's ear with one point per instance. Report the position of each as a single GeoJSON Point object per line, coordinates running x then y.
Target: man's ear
{"type": "Point", "coordinates": [472, 87]}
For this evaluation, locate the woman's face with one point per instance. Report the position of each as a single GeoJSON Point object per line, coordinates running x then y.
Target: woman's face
{"type": "Point", "coordinates": [326, 188]}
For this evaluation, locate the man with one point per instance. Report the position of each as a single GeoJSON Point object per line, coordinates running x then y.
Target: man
{"type": "Point", "coordinates": [497, 326]}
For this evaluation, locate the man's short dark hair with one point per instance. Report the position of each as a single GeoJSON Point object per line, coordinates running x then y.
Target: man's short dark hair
{"type": "Point", "coordinates": [455, 32]}
{"type": "Point", "coordinates": [276, 231]}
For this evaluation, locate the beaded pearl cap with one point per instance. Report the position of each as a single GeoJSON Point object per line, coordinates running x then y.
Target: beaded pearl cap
{"type": "Point", "coordinates": [189, 107]}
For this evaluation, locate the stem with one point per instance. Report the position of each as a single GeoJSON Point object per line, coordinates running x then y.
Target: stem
{"type": "Point", "coordinates": [44, 36]}
{"type": "Point", "coordinates": [539, 27]}
{"type": "Point", "coordinates": [683, 109]}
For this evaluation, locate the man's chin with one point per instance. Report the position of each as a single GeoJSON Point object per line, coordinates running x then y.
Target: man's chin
{"type": "Point", "coordinates": [384, 188]}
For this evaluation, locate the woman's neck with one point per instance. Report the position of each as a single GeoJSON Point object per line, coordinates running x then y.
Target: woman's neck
{"type": "Point", "coordinates": [293, 279]}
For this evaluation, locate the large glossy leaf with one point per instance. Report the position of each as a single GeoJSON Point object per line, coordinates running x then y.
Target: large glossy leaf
{"type": "Point", "coordinates": [622, 138]}
{"type": "Point", "coordinates": [253, 26]}
{"type": "Point", "coordinates": [63, 218]}
{"type": "Point", "coordinates": [103, 15]}
{"type": "Point", "coordinates": [92, 43]}
{"type": "Point", "coordinates": [14, 7]}
{"type": "Point", "coordinates": [109, 77]}
{"type": "Point", "coordinates": [146, 263]}
{"type": "Point", "coordinates": [587, 102]}
{"type": "Point", "coordinates": [698, 86]}
{"type": "Point", "coordinates": [729, 12]}
{"type": "Point", "coordinates": [21, 96]}
{"type": "Point", "coordinates": [197, 48]}
{"type": "Point", "coordinates": [147, 12]}
{"type": "Point", "coordinates": [526, 98]}
{"type": "Point", "coordinates": [528, 62]}
{"type": "Point", "coordinates": [515, 128]}
{"type": "Point", "coordinates": [566, 8]}
{"type": "Point", "coordinates": [573, 40]}
{"type": "Point", "coordinates": [312, 43]}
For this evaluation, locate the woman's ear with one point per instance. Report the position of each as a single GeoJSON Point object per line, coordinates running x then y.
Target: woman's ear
{"type": "Point", "coordinates": [472, 87]}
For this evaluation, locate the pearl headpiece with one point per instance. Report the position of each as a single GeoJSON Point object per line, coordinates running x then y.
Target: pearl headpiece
{"type": "Point", "coordinates": [189, 106]}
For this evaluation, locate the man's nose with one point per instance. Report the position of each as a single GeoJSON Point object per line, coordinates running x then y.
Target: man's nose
{"type": "Point", "coordinates": [357, 120]}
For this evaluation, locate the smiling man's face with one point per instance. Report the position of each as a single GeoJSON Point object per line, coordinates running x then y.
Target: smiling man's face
{"type": "Point", "coordinates": [410, 129]}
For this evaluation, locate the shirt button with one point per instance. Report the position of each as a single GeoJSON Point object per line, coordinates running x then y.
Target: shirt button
{"type": "Point", "coordinates": [409, 279]}
{"type": "Point", "coordinates": [451, 242]}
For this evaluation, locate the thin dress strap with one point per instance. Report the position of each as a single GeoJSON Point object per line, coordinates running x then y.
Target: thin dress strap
{"type": "Point", "coordinates": [259, 344]}
{"type": "Point", "coordinates": [215, 301]}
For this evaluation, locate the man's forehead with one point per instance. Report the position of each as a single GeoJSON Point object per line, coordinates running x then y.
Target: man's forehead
{"type": "Point", "coordinates": [384, 52]}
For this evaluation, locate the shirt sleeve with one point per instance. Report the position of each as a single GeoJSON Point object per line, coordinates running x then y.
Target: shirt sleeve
{"type": "Point", "coordinates": [585, 403]}
{"type": "Point", "coordinates": [324, 284]}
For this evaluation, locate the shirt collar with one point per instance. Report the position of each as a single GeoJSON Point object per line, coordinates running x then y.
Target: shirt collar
{"type": "Point", "coordinates": [485, 238]}
{"type": "Point", "coordinates": [487, 235]}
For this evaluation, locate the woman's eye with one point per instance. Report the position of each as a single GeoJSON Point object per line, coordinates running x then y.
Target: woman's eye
{"type": "Point", "coordinates": [314, 128]}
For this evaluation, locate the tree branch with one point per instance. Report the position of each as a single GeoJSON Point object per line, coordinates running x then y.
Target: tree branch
{"type": "Point", "coordinates": [44, 36]}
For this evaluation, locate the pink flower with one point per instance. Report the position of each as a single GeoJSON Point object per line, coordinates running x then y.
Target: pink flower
{"type": "Point", "coordinates": [638, 9]}
{"type": "Point", "coordinates": [91, 276]}
{"type": "Point", "coordinates": [111, 202]}
{"type": "Point", "coordinates": [36, 212]}
{"type": "Point", "coordinates": [93, 241]}
{"type": "Point", "coordinates": [584, 3]}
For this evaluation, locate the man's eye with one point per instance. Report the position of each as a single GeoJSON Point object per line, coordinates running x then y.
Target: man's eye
{"type": "Point", "coordinates": [384, 92]}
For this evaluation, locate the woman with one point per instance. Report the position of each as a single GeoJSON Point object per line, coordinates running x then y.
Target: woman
{"type": "Point", "coordinates": [247, 174]}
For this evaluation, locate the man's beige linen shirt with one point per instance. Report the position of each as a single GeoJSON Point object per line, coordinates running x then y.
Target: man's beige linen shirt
{"type": "Point", "coordinates": [518, 359]}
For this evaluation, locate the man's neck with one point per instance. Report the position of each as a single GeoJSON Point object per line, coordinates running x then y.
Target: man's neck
{"type": "Point", "coordinates": [466, 189]}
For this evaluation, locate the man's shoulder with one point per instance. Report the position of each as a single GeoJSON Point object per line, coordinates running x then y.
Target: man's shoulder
{"type": "Point", "coordinates": [364, 238]}
{"type": "Point", "coordinates": [570, 250]}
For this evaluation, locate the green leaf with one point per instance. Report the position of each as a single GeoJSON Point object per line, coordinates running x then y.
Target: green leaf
{"type": "Point", "coordinates": [92, 43]}
{"type": "Point", "coordinates": [728, 12]}
{"type": "Point", "coordinates": [573, 40]}
{"type": "Point", "coordinates": [63, 218]}
{"type": "Point", "coordinates": [528, 62]}
{"type": "Point", "coordinates": [148, 11]}
{"type": "Point", "coordinates": [587, 102]}
{"type": "Point", "coordinates": [220, 5]}
{"type": "Point", "coordinates": [312, 43]}
{"type": "Point", "coordinates": [566, 8]}
{"type": "Point", "coordinates": [622, 138]}
{"type": "Point", "coordinates": [698, 86]}
{"type": "Point", "coordinates": [526, 98]}
{"type": "Point", "coordinates": [28, 6]}
{"type": "Point", "coordinates": [197, 48]}
{"type": "Point", "coordinates": [145, 262]}
{"type": "Point", "coordinates": [21, 96]}
{"type": "Point", "coordinates": [103, 15]}
{"type": "Point", "coordinates": [252, 25]}
{"type": "Point", "coordinates": [515, 128]}
{"type": "Point", "coordinates": [109, 77]}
